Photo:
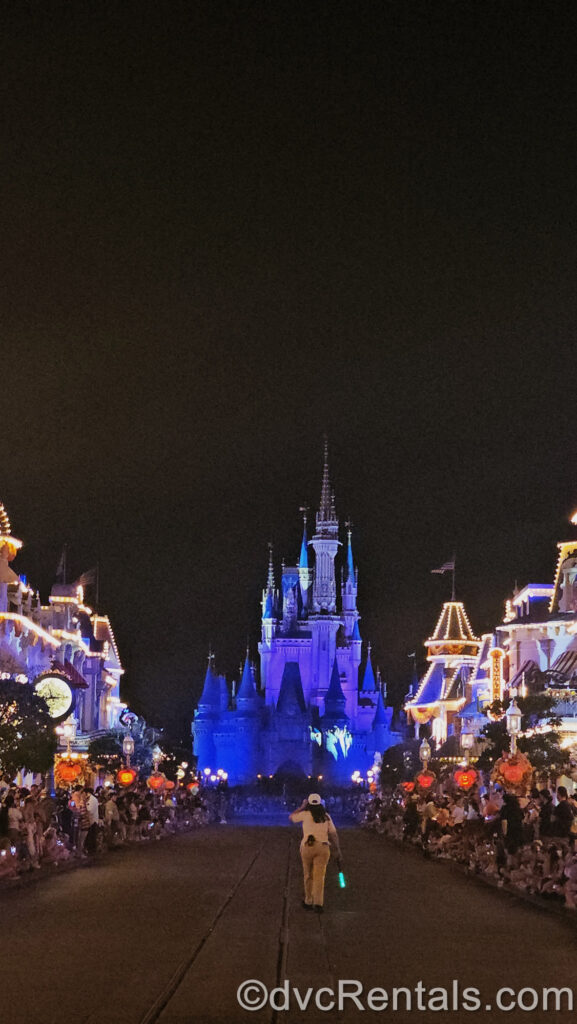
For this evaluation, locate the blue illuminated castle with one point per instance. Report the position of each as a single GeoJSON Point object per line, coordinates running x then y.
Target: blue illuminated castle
{"type": "Point", "coordinates": [310, 716]}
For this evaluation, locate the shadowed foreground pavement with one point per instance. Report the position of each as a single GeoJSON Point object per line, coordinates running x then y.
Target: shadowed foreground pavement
{"type": "Point", "coordinates": [100, 945]}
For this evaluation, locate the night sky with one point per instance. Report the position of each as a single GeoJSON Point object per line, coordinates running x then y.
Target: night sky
{"type": "Point", "coordinates": [228, 228]}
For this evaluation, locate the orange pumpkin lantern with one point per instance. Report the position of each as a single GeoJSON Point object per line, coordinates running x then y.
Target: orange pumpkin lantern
{"type": "Point", "coordinates": [425, 779]}
{"type": "Point", "coordinates": [408, 786]}
{"type": "Point", "coordinates": [156, 781]}
{"type": "Point", "coordinates": [192, 787]}
{"type": "Point", "coordinates": [465, 777]}
{"type": "Point", "coordinates": [514, 773]}
{"type": "Point", "coordinates": [69, 771]}
{"type": "Point", "coordinates": [126, 776]}
{"type": "Point", "coordinates": [169, 784]}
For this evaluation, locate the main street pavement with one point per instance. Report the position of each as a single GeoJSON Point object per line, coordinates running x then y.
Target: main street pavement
{"type": "Point", "coordinates": [168, 930]}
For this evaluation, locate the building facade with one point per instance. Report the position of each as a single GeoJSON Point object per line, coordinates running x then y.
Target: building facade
{"type": "Point", "coordinates": [63, 648]}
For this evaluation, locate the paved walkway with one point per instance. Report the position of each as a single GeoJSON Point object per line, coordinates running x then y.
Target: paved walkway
{"type": "Point", "coordinates": [167, 931]}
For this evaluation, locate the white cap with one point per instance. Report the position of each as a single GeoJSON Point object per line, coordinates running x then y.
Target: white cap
{"type": "Point", "coordinates": [314, 798]}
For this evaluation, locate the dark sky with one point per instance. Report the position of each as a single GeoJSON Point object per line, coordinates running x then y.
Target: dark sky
{"type": "Point", "coordinates": [230, 227]}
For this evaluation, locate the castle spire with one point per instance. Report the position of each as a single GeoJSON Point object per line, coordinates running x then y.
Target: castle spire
{"type": "Point", "coordinates": [305, 574]}
{"type": "Point", "coordinates": [335, 700]}
{"type": "Point", "coordinates": [350, 565]}
{"type": "Point", "coordinates": [381, 717]}
{"type": "Point", "coordinates": [369, 684]}
{"type": "Point", "coordinates": [270, 578]}
{"type": "Point", "coordinates": [268, 594]}
{"type": "Point", "coordinates": [327, 522]}
{"type": "Point", "coordinates": [247, 688]}
{"type": "Point", "coordinates": [327, 497]}
{"type": "Point", "coordinates": [304, 555]}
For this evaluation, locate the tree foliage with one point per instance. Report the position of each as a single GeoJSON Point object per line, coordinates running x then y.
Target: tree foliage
{"type": "Point", "coordinates": [27, 736]}
{"type": "Point", "coordinates": [400, 762]}
{"type": "Point", "coordinates": [106, 750]}
{"type": "Point", "coordinates": [542, 747]}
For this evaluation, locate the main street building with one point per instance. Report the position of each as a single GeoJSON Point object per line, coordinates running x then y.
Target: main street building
{"type": "Point", "coordinates": [64, 649]}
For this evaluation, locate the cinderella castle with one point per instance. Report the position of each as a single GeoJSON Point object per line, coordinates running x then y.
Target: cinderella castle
{"type": "Point", "coordinates": [312, 715]}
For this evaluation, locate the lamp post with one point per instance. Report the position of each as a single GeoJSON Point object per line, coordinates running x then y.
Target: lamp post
{"type": "Point", "coordinates": [128, 748]}
{"type": "Point", "coordinates": [425, 754]}
{"type": "Point", "coordinates": [156, 756]}
{"type": "Point", "coordinates": [467, 741]}
{"type": "Point", "coordinates": [67, 731]}
{"type": "Point", "coordinates": [513, 716]}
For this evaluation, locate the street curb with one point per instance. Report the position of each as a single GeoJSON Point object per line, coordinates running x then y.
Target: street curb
{"type": "Point", "coordinates": [567, 915]}
{"type": "Point", "coordinates": [27, 879]}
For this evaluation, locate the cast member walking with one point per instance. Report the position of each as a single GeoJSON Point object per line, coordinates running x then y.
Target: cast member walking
{"type": "Point", "coordinates": [315, 850]}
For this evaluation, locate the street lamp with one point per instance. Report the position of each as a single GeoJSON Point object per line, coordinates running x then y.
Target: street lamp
{"type": "Point", "coordinates": [128, 748]}
{"type": "Point", "coordinates": [67, 731]}
{"type": "Point", "coordinates": [513, 716]}
{"type": "Point", "coordinates": [156, 756]}
{"type": "Point", "coordinates": [467, 741]}
{"type": "Point", "coordinates": [425, 753]}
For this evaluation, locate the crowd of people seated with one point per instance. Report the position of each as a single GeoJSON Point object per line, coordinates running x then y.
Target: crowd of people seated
{"type": "Point", "coordinates": [38, 828]}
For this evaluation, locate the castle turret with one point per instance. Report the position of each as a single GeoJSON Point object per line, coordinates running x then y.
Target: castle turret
{"type": "Point", "coordinates": [349, 591]}
{"type": "Point", "coordinates": [205, 719]}
{"type": "Point", "coordinates": [381, 728]}
{"type": "Point", "coordinates": [247, 697]}
{"type": "Point", "coordinates": [305, 574]}
{"type": "Point", "coordinates": [242, 757]}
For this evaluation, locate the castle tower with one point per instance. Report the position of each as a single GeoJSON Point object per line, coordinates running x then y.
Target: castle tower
{"type": "Point", "coordinates": [324, 621]}
{"type": "Point", "coordinates": [326, 544]}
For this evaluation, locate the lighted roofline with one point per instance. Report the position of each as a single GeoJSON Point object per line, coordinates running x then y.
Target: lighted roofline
{"type": "Point", "coordinates": [559, 619]}
{"type": "Point", "coordinates": [452, 703]}
{"type": "Point", "coordinates": [442, 640]}
{"type": "Point", "coordinates": [10, 541]}
{"type": "Point", "coordinates": [462, 616]}
{"type": "Point", "coordinates": [104, 618]}
{"type": "Point", "coordinates": [29, 624]}
{"type": "Point", "coordinates": [534, 590]}
{"type": "Point", "coordinates": [78, 600]}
